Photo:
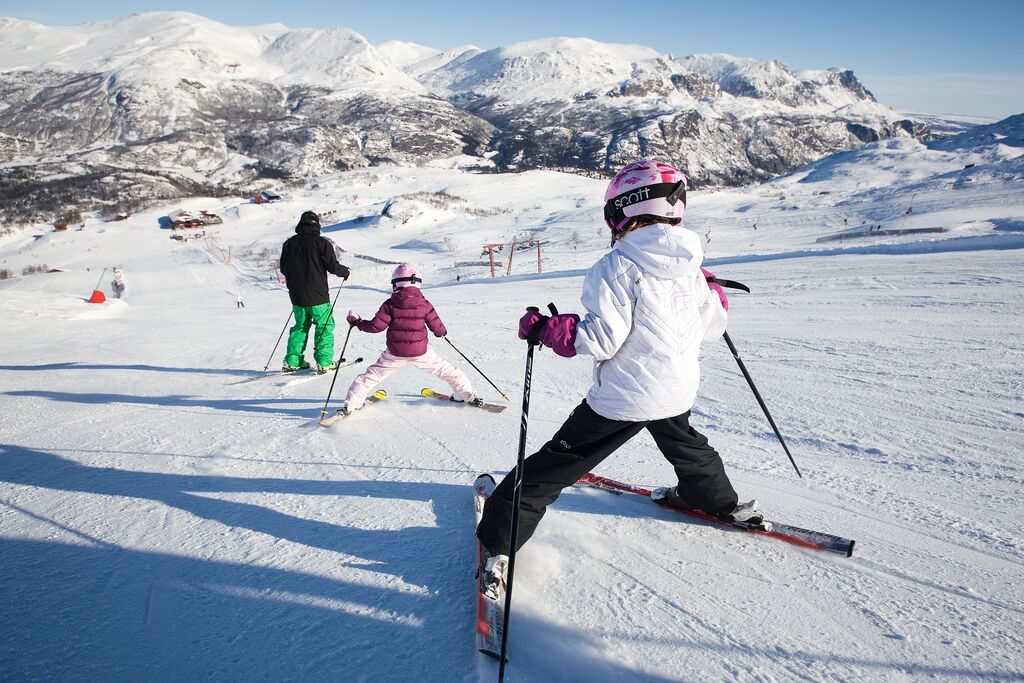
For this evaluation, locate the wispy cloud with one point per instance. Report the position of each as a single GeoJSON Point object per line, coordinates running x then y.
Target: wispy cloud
{"type": "Point", "coordinates": [984, 84]}
{"type": "Point", "coordinates": [994, 94]}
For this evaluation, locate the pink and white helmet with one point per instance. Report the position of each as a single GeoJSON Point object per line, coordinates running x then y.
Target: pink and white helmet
{"type": "Point", "coordinates": [644, 188]}
{"type": "Point", "coordinates": [405, 275]}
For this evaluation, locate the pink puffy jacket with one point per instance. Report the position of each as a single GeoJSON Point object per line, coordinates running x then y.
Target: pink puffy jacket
{"type": "Point", "coordinates": [406, 315]}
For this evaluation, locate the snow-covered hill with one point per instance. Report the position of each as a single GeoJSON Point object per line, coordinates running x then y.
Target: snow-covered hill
{"type": "Point", "coordinates": [164, 514]}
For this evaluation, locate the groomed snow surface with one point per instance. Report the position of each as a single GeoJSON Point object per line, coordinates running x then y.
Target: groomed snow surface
{"type": "Point", "coordinates": [166, 516]}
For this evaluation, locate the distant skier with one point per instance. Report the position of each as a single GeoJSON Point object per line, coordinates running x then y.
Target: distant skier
{"type": "Point", "coordinates": [407, 315]}
{"type": "Point", "coordinates": [306, 258]}
{"type": "Point", "coordinates": [239, 303]}
{"type": "Point", "coordinates": [117, 284]}
{"type": "Point", "coordinates": [649, 307]}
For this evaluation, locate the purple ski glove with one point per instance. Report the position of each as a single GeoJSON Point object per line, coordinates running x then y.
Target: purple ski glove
{"type": "Point", "coordinates": [352, 318]}
{"type": "Point", "coordinates": [528, 322]}
{"type": "Point", "coordinates": [715, 287]}
{"type": "Point", "coordinates": [559, 334]}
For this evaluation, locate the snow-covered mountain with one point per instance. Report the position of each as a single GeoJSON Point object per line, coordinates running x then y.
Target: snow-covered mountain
{"type": "Point", "coordinates": [887, 191]}
{"type": "Point", "coordinates": [541, 70]}
{"type": "Point", "coordinates": [175, 97]}
{"type": "Point", "coordinates": [400, 53]}
{"type": "Point", "coordinates": [1007, 134]}
{"type": "Point", "coordinates": [577, 103]}
{"type": "Point", "coordinates": [446, 58]}
{"type": "Point", "coordinates": [771, 80]}
{"type": "Point", "coordinates": [172, 103]}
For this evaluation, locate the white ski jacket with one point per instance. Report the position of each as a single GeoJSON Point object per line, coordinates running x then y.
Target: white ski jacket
{"type": "Point", "coordinates": [648, 311]}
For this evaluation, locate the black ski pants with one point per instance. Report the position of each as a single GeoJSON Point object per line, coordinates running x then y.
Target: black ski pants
{"type": "Point", "coordinates": [579, 446]}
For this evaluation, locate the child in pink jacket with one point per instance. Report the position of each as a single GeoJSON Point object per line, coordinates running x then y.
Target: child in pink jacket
{"type": "Point", "coordinates": [406, 315]}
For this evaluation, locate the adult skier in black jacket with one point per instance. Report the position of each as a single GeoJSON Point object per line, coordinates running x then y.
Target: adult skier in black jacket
{"type": "Point", "coordinates": [306, 258]}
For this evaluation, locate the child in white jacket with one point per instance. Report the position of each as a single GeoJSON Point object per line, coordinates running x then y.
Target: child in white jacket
{"type": "Point", "coordinates": [649, 307]}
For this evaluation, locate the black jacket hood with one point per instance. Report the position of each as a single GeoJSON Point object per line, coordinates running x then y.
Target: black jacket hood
{"type": "Point", "coordinates": [309, 223]}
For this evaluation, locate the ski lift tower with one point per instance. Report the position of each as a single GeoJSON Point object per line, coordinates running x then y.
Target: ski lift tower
{"type": "Point", "coordinates": [489, 249]}
{"type": "Point", "coordinates": [525, 244]}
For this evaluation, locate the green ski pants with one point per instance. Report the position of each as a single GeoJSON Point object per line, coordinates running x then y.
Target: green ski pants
{"type": "Point", "coordinates": [323, 338]}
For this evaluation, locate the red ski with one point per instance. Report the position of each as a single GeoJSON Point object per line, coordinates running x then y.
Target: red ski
{"type": "Point", "coordinates": [805, 538]}
{"type": "Point", "coordinates": [490, 614]}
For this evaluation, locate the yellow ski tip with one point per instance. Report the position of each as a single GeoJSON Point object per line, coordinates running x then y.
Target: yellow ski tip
{"type": "Point", "coordinates": [426, 392]}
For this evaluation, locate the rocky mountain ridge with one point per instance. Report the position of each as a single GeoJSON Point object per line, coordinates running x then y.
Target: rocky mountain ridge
{"type": "Point", "coordinates": [191, 103]}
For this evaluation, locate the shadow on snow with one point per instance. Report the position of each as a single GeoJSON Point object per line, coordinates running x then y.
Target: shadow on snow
{"type": "Point", "coordinates": [88, 609]}
{"type": "Point", "coordinates": [96, 610]}
{"type": "Point", "coordinates": [73, 365]}
{"type": "Point", "coordinates": [248, 405]}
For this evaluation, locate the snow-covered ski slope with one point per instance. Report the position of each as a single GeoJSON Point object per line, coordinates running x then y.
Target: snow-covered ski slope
{"type": "Point", "coordinates": [161, 518]}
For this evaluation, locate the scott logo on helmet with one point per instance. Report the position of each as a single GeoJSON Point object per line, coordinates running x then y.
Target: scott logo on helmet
{"type": "Point", "coordinates": [641, 195]}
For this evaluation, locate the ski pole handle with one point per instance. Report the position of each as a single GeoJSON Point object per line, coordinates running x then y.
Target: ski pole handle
{"type": "Point", "coordinates": [533, 336]}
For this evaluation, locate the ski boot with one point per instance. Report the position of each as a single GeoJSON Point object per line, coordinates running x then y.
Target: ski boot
{"type": "Point", "coordinates": [494, 576]}
{"type": "Point", "coordinates": [303, 365]}
{"type": "Point", "coordinates": [746, 515]}
{"type": "Point", "coordinates": [476, 402]}
{"type": "Point", "coordinates": [324, 369]}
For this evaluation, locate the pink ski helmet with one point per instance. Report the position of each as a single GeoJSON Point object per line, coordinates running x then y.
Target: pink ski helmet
{"type": "Point", "coordinates": [405, 275]}
{"type": "Point", "coordinates": [644, 188]}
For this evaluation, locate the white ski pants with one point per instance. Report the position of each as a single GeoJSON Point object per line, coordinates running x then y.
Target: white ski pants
{"type": "Point", "coordinates": [388, 364]}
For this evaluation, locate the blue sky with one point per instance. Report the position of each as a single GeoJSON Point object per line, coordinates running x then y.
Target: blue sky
{"type": "Point", "coordinates": [933, 57]}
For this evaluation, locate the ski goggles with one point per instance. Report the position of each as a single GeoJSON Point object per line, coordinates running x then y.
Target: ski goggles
{"type": "Point", "coordinates": [412, 278]}
{"type": "Point", "coordinates": [615, 208]}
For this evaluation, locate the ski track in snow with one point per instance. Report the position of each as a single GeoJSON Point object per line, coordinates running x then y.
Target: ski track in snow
{"type": "Point", "coordinates": [165, 516]}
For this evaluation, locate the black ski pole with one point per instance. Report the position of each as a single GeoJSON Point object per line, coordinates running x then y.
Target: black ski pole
{"type": "Point", "coordinates": [279, 337]}
{"type": "Point", "coordinates": [760, 401]}
{"type": "Point", "coordinates": [100, 280]}
{"type": "Point", "coordinates": [337, 366]}
{"type": "Point", "coordinates": [743, 368]}
{"type": "Point", "coordinates": [476, 368]}
{"type": "Point", "coordinates": [517, 489]}
{"type": "Point", "coordinates": [337, 363]}
{"type": "Point", "coordinates": [333, 303]}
